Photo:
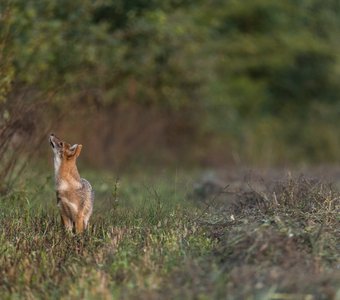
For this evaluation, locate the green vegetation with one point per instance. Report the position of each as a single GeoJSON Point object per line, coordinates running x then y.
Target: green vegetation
{"type": "Point", "coordinates": [151, 85]}
{"type": "Point", "coordinates": [153, 238]}
{"type": "Point", "coordinates": [243, 81]}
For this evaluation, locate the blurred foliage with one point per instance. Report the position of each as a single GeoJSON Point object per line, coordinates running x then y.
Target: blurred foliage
{"type": "Point", "coordinates": [259, 78]}
{"type": "Point", "coordinates": [6, 69]}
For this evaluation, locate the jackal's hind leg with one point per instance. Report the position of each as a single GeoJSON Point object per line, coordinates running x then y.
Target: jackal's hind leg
{"type": "Point", "coordinates": [86, 220]}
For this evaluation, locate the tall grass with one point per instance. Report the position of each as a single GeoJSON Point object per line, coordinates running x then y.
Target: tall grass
{"type": "Point", "coordinates": [149, 240]}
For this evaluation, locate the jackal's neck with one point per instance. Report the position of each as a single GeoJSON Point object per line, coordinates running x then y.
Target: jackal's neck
{"type": "Point", "coordinates": [65, 170]}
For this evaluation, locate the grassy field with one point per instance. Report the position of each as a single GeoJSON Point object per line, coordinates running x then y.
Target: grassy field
{"type": "Point", "coordinates": [175, 236]}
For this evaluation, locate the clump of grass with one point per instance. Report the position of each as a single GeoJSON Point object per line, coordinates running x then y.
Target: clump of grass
{"type": "Point", "coordinates": [282, 237]}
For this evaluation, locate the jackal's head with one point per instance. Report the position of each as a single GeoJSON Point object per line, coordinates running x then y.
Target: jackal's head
{"type": "Point", "coordinates": [62, 150]}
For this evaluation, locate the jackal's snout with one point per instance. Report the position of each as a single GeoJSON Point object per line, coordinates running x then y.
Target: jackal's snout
{"type": "Point", "coordinates": [51, 141]}
{"type": "Point", "coordinates": [55, 142]}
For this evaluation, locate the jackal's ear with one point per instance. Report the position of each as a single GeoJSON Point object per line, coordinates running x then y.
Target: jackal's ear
{"type": "Point", "coordinates": [74, 150]}
{"type": "Point", "coordinates": [78, 150]}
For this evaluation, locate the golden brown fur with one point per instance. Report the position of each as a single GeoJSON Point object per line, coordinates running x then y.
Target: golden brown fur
{"type": "Point", "coordinates": [74, 194]}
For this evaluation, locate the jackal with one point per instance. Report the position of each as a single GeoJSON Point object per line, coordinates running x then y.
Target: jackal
{"type": "Point", "coordinates": [74, 194]}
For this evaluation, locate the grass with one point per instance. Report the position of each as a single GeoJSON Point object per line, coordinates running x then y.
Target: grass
{"type": "Point", "coordinates": [152, 237]}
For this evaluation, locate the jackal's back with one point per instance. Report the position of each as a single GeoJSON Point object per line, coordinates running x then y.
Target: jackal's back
{"type": "Point", "coordinates": [88, 193]}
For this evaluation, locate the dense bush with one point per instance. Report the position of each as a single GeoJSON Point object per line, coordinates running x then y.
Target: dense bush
{"type": "Point", "coordinates": [243, 81]}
